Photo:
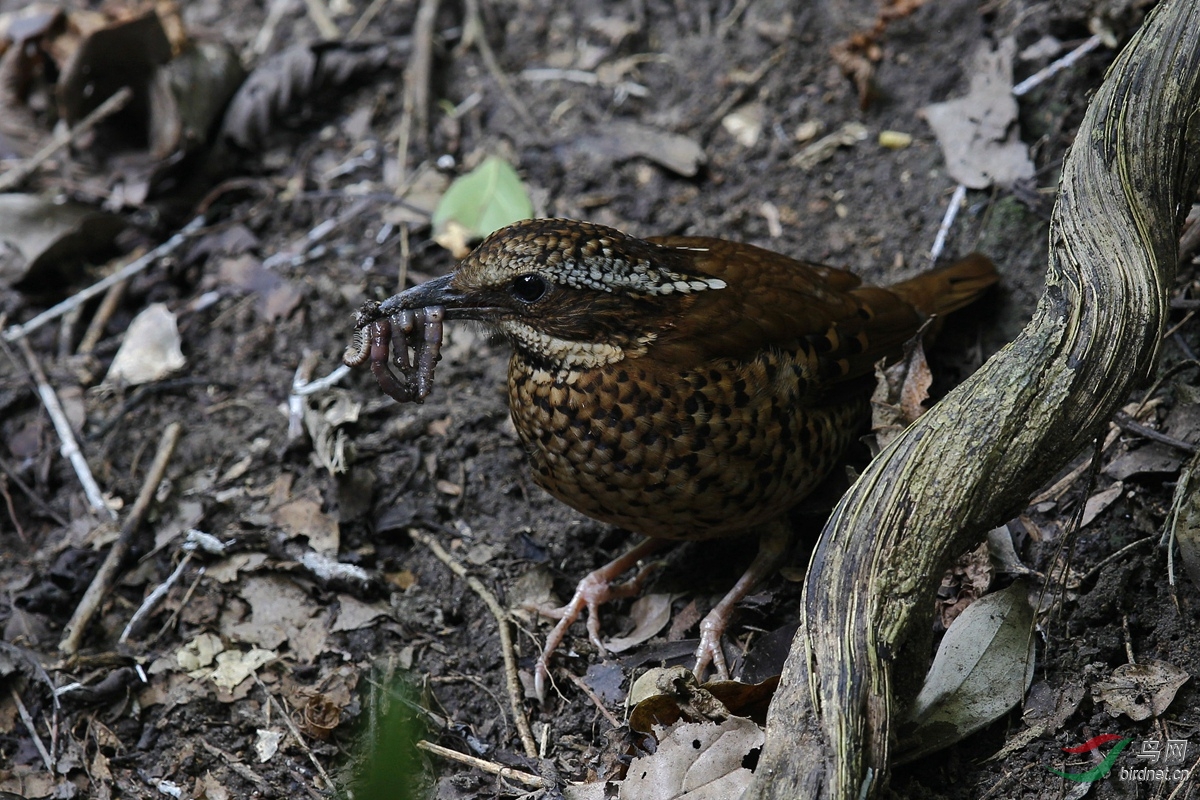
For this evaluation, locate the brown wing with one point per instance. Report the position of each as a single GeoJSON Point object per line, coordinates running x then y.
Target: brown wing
{"type": "Point", "coordinates": [776, 301]}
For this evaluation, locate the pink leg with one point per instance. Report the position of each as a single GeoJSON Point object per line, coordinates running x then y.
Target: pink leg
{"type": "Point", "coordinates": [593, 590]}
{"type": "Point", "coordinates": [772, 547]}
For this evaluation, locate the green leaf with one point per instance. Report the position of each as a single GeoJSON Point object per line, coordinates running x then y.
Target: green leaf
{"type": "Point", "coordinates": [484, 200]}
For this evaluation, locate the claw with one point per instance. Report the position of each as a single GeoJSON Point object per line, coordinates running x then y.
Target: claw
{"type": "Point", "coordinates": [596, 588]}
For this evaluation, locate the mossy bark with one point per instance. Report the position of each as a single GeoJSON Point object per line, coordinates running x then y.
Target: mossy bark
{"type": "Point", "coordinates": [973, 461]}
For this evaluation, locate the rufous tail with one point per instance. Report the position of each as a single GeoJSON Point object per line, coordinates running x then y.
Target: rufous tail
{"type": "Point", "coordinates": [948, 288]}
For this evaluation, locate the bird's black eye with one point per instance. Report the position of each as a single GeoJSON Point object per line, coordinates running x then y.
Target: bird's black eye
{"type": "Point", "coordinates": [528, 288]}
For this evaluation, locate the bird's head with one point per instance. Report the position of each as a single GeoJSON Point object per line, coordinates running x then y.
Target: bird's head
{"type": "Point", "coordinates": [567, 294]}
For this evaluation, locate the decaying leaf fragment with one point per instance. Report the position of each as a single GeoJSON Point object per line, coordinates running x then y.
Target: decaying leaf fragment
{"type": "Point", "coordinates": [1142, 690]}
{"type": "Point", "coordinates": [150, 351]}
{"type": "Point", "coordinates": [41, 241]}
{"type": "Point", "coordinates": [978, 132]}
{"type": "Point", "coordinates": [900, 394]}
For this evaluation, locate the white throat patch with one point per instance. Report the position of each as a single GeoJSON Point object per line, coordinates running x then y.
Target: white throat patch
{"type": "Point", "coordinates": [577, 355]}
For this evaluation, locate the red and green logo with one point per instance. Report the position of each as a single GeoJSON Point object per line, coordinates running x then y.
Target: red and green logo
{"type": "Point", "coordinates": [1100, 770]}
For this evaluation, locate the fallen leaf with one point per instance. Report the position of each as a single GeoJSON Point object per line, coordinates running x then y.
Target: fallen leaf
{"type": "Point", "coordinates": [354, 613]}
{"type": "Point", "coordinates": [982, 668]}
{"type": "Point", "coordinates": [266, 743]}
{"type": "Point", "coordinates": [150, 350]}
{"type": "Point", "coordinates": [1142, 690]}
{"type": "Point", "coordinates": [1097, 503]}
{"type": "Point", "coordinates": [621, 140]}
{"type": "Point", "coordinates": [42, 242]}
{"type": "Point", "coordinates": [650, 614]}
{"type": "Point", "coordinates": [304, 517]}
{"type": "Point", "coordinates": [484, 200]}
{"type": "Point", "coordinates": [1150, 458]}
{"type": "Point", "coordinates": [702, 761]}
{"type": "Point", "coordinates": [282, 84]}
{"type": "Point", "coordinates": [235, 666]}
{"type": "Point", "coordinates": [200, 652]}
{"type": "Point", "coordinates": [978, 133]}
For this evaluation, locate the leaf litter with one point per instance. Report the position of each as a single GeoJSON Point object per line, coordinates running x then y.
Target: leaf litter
{"type": "Point", "coordinates": [269, 616]}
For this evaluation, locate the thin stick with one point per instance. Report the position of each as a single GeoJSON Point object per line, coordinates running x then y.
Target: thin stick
{"type": "Point", "coordinates": [956, 201]}
{"type": "Point", "coordinates": [106, 577]}
{"type": "Point", "coordinates": [490, 767]}
{"type": "Point", "coordinates": [21, 173]}
{"type": "Point", "coordinates": [360, 25]}
{"type": "Point", "coordinates": [70, 448]}
{"type": "Point", "coordinates": [474, 35]}
{"type": "Point", "coordinates": [745, 86]}
{"type": "Point", "coordinates": [153, 599]}
{"type": "Point", "coordinates": [305, 388]}
{"type": "Point", "coordinates": [1128, 423]}
{"type": "Point", "coordinates": [415, 105]}
{"type": "Point", "coordinates": [1117, 556]}
{"type": "Point", "coordinates": [320, 17]}
{"type": "Point", "coordinates": [583, 687]}
{"type": "Point", "coordinates": [1055, 67]}
{"type": "Point", "coordinates": [169, 246]}
{"type": "Point", "coordinates": [28, 720]}
{"type": "Point", "coordinates": [187, 596]}
{"type": "Point", "coordinates": [506, 642]}
{"type": "Point", "coordinates": [291, 726]}
{"type": "Point", "coordinates": [108, 307]}
{"type": "Point", "coordinates": [12, 511]}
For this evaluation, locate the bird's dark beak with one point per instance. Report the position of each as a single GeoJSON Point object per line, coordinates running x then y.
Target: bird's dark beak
{"type": "Point", "coordinates": [436, 292]}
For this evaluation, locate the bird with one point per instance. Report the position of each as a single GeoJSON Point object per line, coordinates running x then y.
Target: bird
{"type": "Point", "coordinates": [681, 387]}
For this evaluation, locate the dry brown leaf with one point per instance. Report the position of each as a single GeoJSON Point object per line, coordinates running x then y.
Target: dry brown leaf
{"type": "Point", "coordinates": [1142, 690]}
{"type": "Point", "coordinates": [650, 614]}
{"type": "Point", "coordinates": [978, 133]}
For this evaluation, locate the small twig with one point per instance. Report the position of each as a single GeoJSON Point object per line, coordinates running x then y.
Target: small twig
{"type": "Point", "coordinates": [70, 448]}
{"type": "Point", "coordinates": [21, 173]}
{"type": "Point", "coordinates": [187, 596]}
{"type": "Point", "coordinates": [939, 241]}
{"type": "Point", "coordinates": [304, 371]}
{"type": "Point", "coordinates": [473, 34]}
{"type": "Point", "coordinates": [319, 14]}
{"type": "Point", "coordinates": [108, 307]}
{"type": "Point", "coordinates": [596, 701]}
{"type": "Point", "coordinates": [506, 643]}
{"type": "Point", "coordinates": [305, 388]}
{"type": "Point", "coordinates": [236, 764]}
{"type": "Point", "coordinates": [153, 599]}
{"type": "Point", "coordinates": [1186, 783]}
{"type": "Point", "coordinates": [1128, 423]}
{"type": "Point", "coordinates": [266, 34]}
{"type": "Point", "coordinates": [745, 86]}
{"type": "Point", "coordinates": [415, 104]}
{"type": "Point", "coordinates": [1117, 556]}
{"type": "Point", "coordinates": [12, 511]}
{"type": "Point", "coordinates": [107, 575]}
{"type": "Point", "coordinates": [360, 25]}
{"type": "Point", "coordinates": [1129, 656]}
{"type": "Point", "coordinates": [28, 720]}
{"type": "Point", "coordinates": [726, 25]}
{"type": "Point", "coordinates": [291, 726]}
{"type": "Point", "coordinates": [169, 246]}
{"type": "Point", "coordinates": [1055, 67]}
{"type": "Point", "coordinates": [489, 767]}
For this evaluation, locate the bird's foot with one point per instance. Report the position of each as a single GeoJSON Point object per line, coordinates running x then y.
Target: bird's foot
{"type": "Point", "coordinates": [772, 548]}
{"type": "Point", "coordinates": [595, 589]}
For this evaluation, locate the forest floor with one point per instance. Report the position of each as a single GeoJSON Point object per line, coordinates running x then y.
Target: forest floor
{"type": "Point", "coordinates": [262, 663]}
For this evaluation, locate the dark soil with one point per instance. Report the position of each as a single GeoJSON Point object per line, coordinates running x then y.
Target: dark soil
{"type": "Point", "coordinates": [453, 468]}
